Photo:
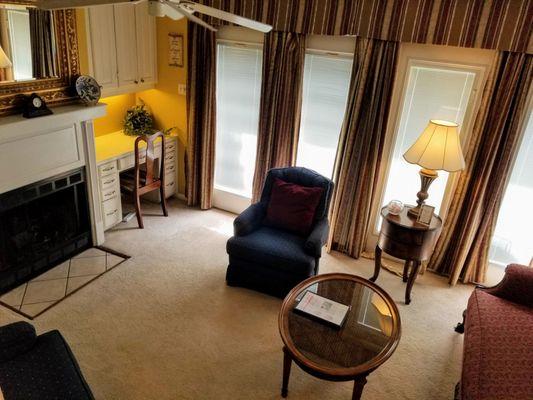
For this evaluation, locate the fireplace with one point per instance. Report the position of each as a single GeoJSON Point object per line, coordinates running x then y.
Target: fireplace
{"type": "Point", "coordinates": [42, 225]}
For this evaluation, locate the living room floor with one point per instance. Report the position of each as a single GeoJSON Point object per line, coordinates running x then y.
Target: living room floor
{"type": "Point", "coordinates": [164, 325]}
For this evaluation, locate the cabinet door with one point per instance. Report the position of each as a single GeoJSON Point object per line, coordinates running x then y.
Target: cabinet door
{"type": "Point", "coordinates": [146, 44]}
{"type": "Point", "coordinates": [126, 43]}
{"type": "Point", "coordinates": [102, 46]}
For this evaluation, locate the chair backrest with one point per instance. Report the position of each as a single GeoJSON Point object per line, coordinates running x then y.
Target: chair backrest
{"type": "Point", "coordinates": [151, 160]}
{"type": "Point", "coordinates": [303, 177]}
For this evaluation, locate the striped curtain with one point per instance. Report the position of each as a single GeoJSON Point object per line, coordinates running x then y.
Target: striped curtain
{"type": "Point", "coordinates": [279, 114]}
{"type": "Point", "coordinates": [361, 144]}
{"type": "Point", "coordinates": [487, 24]}
{"type": "Point", "coordinates": [201, 116]}
{"type": "Point", "coordinates": [462, 249]}
{"type": "Point", "coordinates": [43, 48]}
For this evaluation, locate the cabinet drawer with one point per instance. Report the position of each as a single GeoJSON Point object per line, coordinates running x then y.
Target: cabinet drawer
{"type": "Point", "coordinates": [110, 193]}
{"type": "Point", "coordinates": [107, 182]}
{"type": "Point", "coordinates": [108, 169]}
{"type": "Point", "coordinates": [112, 212]}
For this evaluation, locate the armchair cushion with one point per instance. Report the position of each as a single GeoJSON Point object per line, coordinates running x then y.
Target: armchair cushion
{"type": "Point", "coordinates": [317, 238]}
{"type": "Point", "coordinates": [516, 286]}
{"type": "Point", "coordinates": [292, 207]}
{"type": "Point", "coordinates": [48, 372]}
{"type": "Point", "coordinates": [16, 339]}
{"type": "Point", "coordinates": [280, 250]}
{"type": "Point", "coordinates": [249, 220]}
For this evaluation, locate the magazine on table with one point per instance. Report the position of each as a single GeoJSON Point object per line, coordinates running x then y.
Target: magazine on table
{"type": "Point", "coordinates": [322, 309]}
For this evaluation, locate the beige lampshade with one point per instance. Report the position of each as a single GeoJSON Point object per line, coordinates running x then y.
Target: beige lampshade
{"type": "Point", "coordinates": [4, 61]}
{"type": "Point", "coordinates": [437, 148]}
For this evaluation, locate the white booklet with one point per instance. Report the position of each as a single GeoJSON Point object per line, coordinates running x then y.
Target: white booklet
{"type": "Point", "coordinates": [324, 309]}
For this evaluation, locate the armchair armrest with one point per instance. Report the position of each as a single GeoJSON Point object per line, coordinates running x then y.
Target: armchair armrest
{"type": "Point", "coordinates": [249, 220]}
{"type": "Point", "coordinates": [516, 285]}
{"type": "Point", "coordinates": [16, 339]}
{"type": "Point", "coordinates": [317, 238]}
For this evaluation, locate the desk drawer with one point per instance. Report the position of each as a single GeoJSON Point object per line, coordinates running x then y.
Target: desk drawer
{"type": "Point", "coordinates": [170, 158]}
{"type": "Point", "coordinates": [170, 168]}
{"type": "Point", "coordinates": [129, 161]}
{"type": "Point", "coordinates": [110, 193]}
{"type": "Point", "coordinates": [107, 182]}
{"type": "Point", "coordinates": [112, 210]}
{"type": "Point", "coordinates": [170, 145]}
{"type": "Point", "coordinates": [170, 186]}
{"type": "Point", "coordinates": [107, 169]}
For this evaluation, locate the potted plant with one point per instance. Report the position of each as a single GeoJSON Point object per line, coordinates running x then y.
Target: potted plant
{"type": "Point", "coordinates": [138, 121]}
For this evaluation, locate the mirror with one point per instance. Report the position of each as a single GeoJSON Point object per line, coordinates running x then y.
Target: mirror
{"type": "Point", "coordinates": [28, 49]}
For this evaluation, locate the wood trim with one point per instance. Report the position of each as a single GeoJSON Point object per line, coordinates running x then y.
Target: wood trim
{"type": "Point", "coordinates": [54, 91]}
{"type": "Point", "coordinates": [337, 374]}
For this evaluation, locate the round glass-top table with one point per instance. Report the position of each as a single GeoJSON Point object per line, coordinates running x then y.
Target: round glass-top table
{"type": "Point", "coordinates": [369, 335]}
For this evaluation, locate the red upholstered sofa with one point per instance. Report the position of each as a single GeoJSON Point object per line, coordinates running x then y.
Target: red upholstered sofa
{"type": "Point", "coordinates": [498, 343]}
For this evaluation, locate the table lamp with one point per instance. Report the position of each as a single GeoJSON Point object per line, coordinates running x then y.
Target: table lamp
{"type": "Point", "coordinates": [5, 62]}
{"type": "Point", "coordinates": [437, 148]}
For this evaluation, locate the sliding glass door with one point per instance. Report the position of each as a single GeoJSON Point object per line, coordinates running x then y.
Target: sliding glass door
{"type": "Point", "coordinates": [512, 242]}
{"type": "Point", "coordinates": [325, 92]}
{"type": "Point", "coordinates": [238, 94]}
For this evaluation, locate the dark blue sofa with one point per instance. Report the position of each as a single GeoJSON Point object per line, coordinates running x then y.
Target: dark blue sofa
{"type": "Point", "coordinates": [38, 367]}
{"type": "Point", "coordinates": [270, 260]}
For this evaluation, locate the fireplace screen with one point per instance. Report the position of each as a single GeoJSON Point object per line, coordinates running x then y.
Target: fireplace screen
{"type": "Point", "coordinates": [41, 225]}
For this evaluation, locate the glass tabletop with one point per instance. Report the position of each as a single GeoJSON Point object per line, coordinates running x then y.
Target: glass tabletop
{"type": "Point", "coordinates": [369, 333]}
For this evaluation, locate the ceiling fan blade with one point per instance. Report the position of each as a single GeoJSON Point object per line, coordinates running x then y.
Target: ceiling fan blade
{"type": "Point", "coordinates": [226, 16]}
{"type": "Point", "coordinates": [60, 4]}
{"type": "Point", "coordinates": [189, 16]}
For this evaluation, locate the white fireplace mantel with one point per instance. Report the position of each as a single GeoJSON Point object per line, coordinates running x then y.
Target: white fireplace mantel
{"type": "Point", "coordinates": [38, 148]}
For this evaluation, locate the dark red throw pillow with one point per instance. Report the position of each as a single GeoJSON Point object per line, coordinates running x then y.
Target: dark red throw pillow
{"type": "Point", "coordinates": [292, 207]}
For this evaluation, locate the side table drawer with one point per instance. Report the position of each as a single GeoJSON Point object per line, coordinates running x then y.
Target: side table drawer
{"type": "Point", "coordinates": [402, 235]}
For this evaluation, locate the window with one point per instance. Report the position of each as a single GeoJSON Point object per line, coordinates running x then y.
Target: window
{"type": "Point", "coordinates": [19, 28]}
{"type": "Point", "coordinates": [325, 91]}
{"type": "Point", "coordinates": [511, 242]}
{"type": "Point", "coordinates": [239, 69]}
{"type": "Point", "coordinates": [433, 91]}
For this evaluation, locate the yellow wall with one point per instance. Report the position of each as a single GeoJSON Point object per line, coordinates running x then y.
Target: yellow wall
{"type": "Point", "coordinates": [168, 107]}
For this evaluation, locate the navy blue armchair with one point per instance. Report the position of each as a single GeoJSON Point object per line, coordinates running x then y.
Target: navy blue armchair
{"type": "Point", "coordinates": [271, 260]}
{"type": "Point", "coordinates": [38, 367]}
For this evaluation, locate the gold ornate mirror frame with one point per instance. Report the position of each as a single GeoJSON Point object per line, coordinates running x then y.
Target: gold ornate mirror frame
{"type": "Point", "coordinates": [54, 91]}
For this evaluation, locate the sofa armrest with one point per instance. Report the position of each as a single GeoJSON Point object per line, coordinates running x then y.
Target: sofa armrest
{"type": "Point", "coordinates": [249, 220]}
{"type": "Point", "coordinates": [15, 339]}
{"type": "Point", "coordinates": [317, 238]}
{"type": "Point", "coordinates": [516, 285]}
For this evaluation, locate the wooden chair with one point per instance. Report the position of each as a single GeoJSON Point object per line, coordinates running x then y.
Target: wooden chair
{"type": "Point", "coordinates": [143, 178]}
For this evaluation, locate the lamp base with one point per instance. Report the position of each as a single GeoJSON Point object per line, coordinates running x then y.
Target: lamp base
{"type": "Point", "coordinates": [427, 176]}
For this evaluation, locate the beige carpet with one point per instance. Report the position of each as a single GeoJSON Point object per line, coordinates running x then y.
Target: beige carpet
{"type": "Point", "coordinates": [165, 325]}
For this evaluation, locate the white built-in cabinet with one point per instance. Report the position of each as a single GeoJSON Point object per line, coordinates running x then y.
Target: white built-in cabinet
{"type": "Point", "coordinates": [122, 47]}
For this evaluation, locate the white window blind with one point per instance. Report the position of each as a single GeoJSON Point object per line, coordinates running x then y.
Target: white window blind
{"type": "Point", "coordinates": [325, 91]}
{"type": "Point", "coordinates": [238, 94]}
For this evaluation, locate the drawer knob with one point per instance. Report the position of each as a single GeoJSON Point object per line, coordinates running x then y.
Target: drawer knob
{"type": "Point", "coordinates": [112, 212]}
{"type": "Point", "coordinates": [108, 182]}
{"type": "Point", "coordinates": [108, 169]}
{"type": "Point", "coordinates": [110, 194]}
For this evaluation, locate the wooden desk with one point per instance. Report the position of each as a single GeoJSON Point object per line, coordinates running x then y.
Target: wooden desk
{"type": "Point", "coordinates": [114, 154]}
{"type": "Point", "coordinates": [402, 237]}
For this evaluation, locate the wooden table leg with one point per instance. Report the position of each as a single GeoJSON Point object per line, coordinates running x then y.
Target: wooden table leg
{"type": "Point", "coordinates": [411, 281]}
{"type": "Point", "coordinates": [406, 270]}
{"type": "Point", "coordinates": [377, 264]}
{"type": "Point", "coordinates": [287, 362]}
{"type": "Point", "coordinates": [358, 385]}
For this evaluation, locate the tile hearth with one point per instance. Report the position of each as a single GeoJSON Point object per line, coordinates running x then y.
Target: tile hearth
{"type": "Point", "coordinates": [39, 294]}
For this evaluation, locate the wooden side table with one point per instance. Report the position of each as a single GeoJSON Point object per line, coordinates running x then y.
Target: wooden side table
{"type": "Point", "coordinates": [402, 237]}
